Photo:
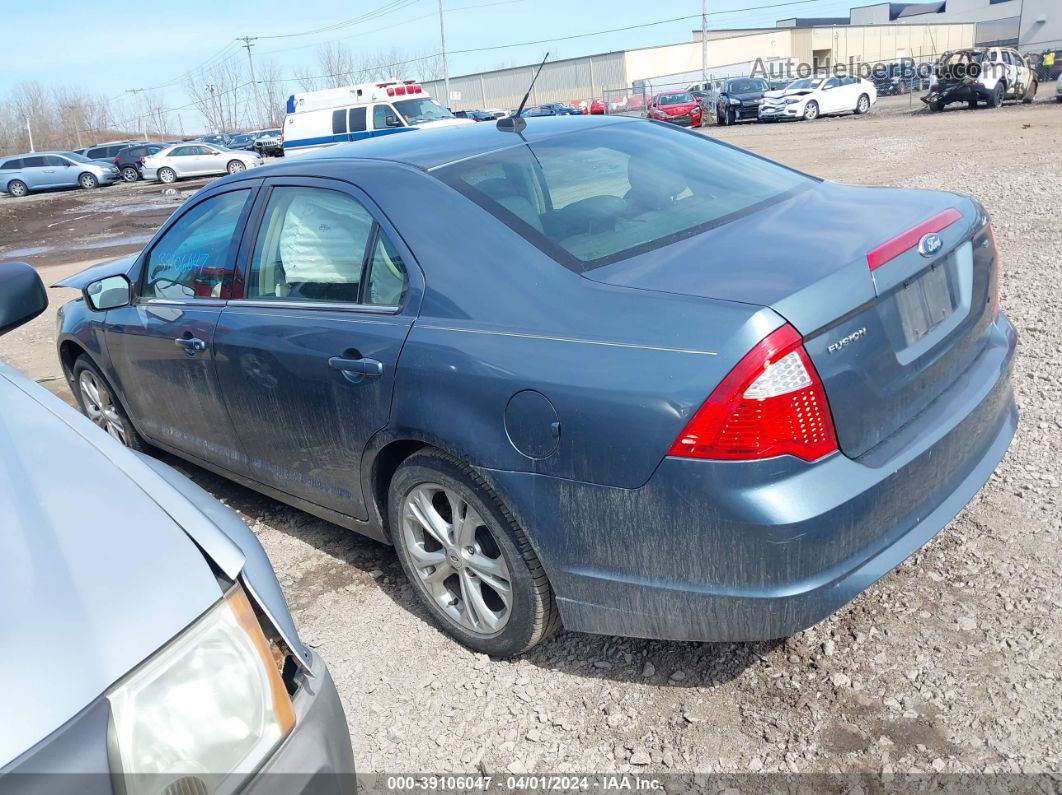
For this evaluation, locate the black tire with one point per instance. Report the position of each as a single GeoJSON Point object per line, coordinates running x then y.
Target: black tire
{"type": "Point", "coordinates": [130, 173]}
{"type": "Point", "coordinates": [996, 99]}
{"type": "Point", "coordinates": [811, 111]}
{"type": "Point", "coordinates": [166, 175]}
{"type": "Point", "coordinates": [88, 181]}
{"type": "Point", "coordinates": [1058, 98]}
{"type": "Point", "coordinates": [1030, 93]}
{"type": "Point", "coordinates": [533, 614]}
{"type": "Point", "coordinates": [971, 104]}
{"type": "Point", "coordinates": [118, 425]}
{"type": "Point", "coordinates": [17, 188]}
{"type": "Point", "coordinates": [936, 107]}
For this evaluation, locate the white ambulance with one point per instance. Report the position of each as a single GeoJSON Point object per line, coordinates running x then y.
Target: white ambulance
{"type": "Point", "coordinates": [316, 119]}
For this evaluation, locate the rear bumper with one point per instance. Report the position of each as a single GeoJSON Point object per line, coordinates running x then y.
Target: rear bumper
{"type": "Point", "coordinates": [726, 551]}
{"type": "Point", "coordinates": [316, 757]}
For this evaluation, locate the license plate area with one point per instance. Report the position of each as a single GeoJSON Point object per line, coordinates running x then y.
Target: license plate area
{"type": "Point", "coordinates": [925, 303]}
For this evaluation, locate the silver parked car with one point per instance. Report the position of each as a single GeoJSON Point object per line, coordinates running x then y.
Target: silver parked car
{"type": "Point", "coordinates": [147, 644]}
{"type": "Point", "coordinates": [196, 160]}
{"type": "Point", "coordinates": [22, 174]}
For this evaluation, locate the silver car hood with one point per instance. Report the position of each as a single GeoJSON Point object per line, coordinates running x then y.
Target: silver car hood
{"type": "Point", "coordinates": [103, 559]}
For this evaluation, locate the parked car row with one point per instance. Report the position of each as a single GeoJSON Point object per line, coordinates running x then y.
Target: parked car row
{"type": "Point", "coordinates": [740, 99]}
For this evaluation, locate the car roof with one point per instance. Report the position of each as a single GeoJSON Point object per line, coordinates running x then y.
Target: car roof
{"type": "Point", "coordinates": [431, 148]}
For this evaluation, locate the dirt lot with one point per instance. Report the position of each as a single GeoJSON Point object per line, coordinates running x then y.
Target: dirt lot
{"type": "Point", "coordinates": [949, 664]}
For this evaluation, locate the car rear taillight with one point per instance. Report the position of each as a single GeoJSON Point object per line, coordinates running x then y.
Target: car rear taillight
{"type": "Point", "coordinates": [772, 403]}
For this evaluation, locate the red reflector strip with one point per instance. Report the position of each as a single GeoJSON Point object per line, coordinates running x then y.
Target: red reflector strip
{"type": "Point", "coordinates": [909, 239]}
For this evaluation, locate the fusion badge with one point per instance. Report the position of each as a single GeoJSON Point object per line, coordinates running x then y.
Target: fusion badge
{"type": "Point", "coordinates": [844, 342]}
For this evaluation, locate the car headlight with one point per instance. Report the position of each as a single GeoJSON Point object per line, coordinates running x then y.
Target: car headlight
{"type": "Point", "coordinates": [793, 100]}
{"type": "Point", "coordinates": [212, 702]}
{"type": "Point", "coordinates": [735, 101]}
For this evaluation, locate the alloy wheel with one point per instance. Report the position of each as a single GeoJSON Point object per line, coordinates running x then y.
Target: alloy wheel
{"type": "Point", "coordinates": [17, 189]}
{"type": "Point", "coordinates": [235, 167]}
{"type": "Point", "coordinates": [167, 175]}
{"type": "Point", "coordinates": [130, 174]}
{"type": "Point", "coordinates": [811, 111]}
{"type": "Point", "coordinates": [864, 104]}
{"type": "Point", "coordinates": [100, 406]}
{"type": "Point", "coordinates": [456, 559]}
{"type": "Point", "coordinates": [88, 181]}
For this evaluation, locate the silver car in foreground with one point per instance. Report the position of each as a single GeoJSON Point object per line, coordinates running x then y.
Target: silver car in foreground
{"type": "Point", "coordinates": [33, 171]}
{"type": "Point", "coordinates": [147, 644]}
{"type": "Point", "coordinates": [197, 160]}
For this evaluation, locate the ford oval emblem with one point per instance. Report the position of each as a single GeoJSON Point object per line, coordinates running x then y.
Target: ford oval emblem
{"type": "Point", "coordinates": [930, 245]}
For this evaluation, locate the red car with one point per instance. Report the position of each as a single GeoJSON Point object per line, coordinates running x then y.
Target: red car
{"type": "Point", "coordinates": [679, 107]}
{"type": "Point", "coordinates": [597, 107]}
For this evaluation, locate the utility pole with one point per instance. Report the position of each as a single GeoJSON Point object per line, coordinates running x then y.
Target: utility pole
{"type": "Point", "coordinates": [446, 67]}
{"type": "Point", "coordinates": [704, 41]}
{"type": "Point", "coordinates": [250, 62]}
{"type": "Point", "coordinates": [29, 130]}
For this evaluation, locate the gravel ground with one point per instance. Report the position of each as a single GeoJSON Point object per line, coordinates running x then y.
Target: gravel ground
{"type": "Point", "coordinates": [949, 664]}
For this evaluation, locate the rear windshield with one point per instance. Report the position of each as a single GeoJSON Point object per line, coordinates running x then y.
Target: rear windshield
{"type": "Point", "coordinates": [595, 196]}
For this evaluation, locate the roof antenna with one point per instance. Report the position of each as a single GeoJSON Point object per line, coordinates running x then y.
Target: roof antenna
{"type": "Point", "coordinates": [516, 123]}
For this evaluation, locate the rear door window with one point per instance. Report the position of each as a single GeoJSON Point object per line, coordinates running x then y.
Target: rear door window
{"type": "Point", "coordinates": [194, 258]}
{"type": "Point", "coordinates": [33, 162]}
{"type": "Point", "coordinates": [311, 246]}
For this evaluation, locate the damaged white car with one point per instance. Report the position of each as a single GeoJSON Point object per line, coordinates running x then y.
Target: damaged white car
{"type": "Point", "coordinates": [811, 97]}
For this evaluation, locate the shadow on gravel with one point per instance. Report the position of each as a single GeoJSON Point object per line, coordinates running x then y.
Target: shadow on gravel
{"type": "Point", "coordinates": [368, 563]}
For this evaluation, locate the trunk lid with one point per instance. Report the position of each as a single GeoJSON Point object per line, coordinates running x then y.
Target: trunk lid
{"type": "Point", "coordinates": [886, 342]}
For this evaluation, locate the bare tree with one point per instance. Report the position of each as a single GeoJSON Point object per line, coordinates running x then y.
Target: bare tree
{"type": "Point", "coordinates": [221, 94]}
{"type": "Point", "coordinates": [273, 93]}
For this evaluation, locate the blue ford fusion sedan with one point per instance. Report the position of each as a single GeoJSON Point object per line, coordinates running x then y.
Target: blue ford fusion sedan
{"type": "Point", "coordinates": [601, 373]}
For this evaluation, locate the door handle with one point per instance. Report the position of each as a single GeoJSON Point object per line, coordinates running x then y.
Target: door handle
{"type": "Point", "coordinates": [191, 345]}
{"type": "Point", "coordinates": [353, 368]}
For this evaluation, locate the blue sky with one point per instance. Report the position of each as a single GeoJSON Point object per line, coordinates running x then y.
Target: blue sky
{"type": "Point", "coordinates": [108, 46]}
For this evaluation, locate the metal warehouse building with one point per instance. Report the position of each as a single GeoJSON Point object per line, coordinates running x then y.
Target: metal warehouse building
{"type": "Point", "coordinates": [730, 52]}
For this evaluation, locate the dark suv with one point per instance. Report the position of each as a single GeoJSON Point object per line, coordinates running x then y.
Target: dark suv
{"type": "Point", "coordinates": [106, 151]}
{"type": "Point", "coordinates": [739, 99]}
{"type": "Point", "coordinates": [130, 159]}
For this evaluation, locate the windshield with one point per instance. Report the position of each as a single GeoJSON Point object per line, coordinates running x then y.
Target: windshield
{"type": "Point", "coordinates": [422, 109]}
{"type": "Point", "coordinates": [77, 157]}
{"type": "Point", "coordinates": [241, 139]}
{"type": "Point", "coordinates": [596, 196]}
{"type": "Point", "coordinates": [807, 82]}
{"type": "Point", "coordinates": [674, 99]}
{"type": "Point", "coordinates": [745, 86]}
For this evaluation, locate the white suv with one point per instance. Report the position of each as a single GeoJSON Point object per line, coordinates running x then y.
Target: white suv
{"type": "Point", "coordinates": [981, 74]}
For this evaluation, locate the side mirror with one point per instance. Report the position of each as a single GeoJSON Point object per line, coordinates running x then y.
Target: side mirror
{"type": "Point", "coordinates": [22, 295]}
{"type": "Point", "coordinates": [392, 121]}
{"type": "Point", "coordinates": [110, 292]}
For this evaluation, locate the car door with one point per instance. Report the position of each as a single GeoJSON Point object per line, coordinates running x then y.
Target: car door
{"type": "Point", "coordinates": [207, 160]}
{"type": "Point", "coordinates": [161, 345]}
{"type": "Point", "coordinates": [60, 170]}
{"type": "Point", "coordinates": [36, 174]}
{"type": "Point", "coordinates": [307, 358]}
{"type": "Point", "coordinates": [182, 160]}
{"type": "Point", "coordinates": [831, 96]}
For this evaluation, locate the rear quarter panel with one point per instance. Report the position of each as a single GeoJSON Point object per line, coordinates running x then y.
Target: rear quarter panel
{"type": "Point", "coordinates": [623, 369]}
